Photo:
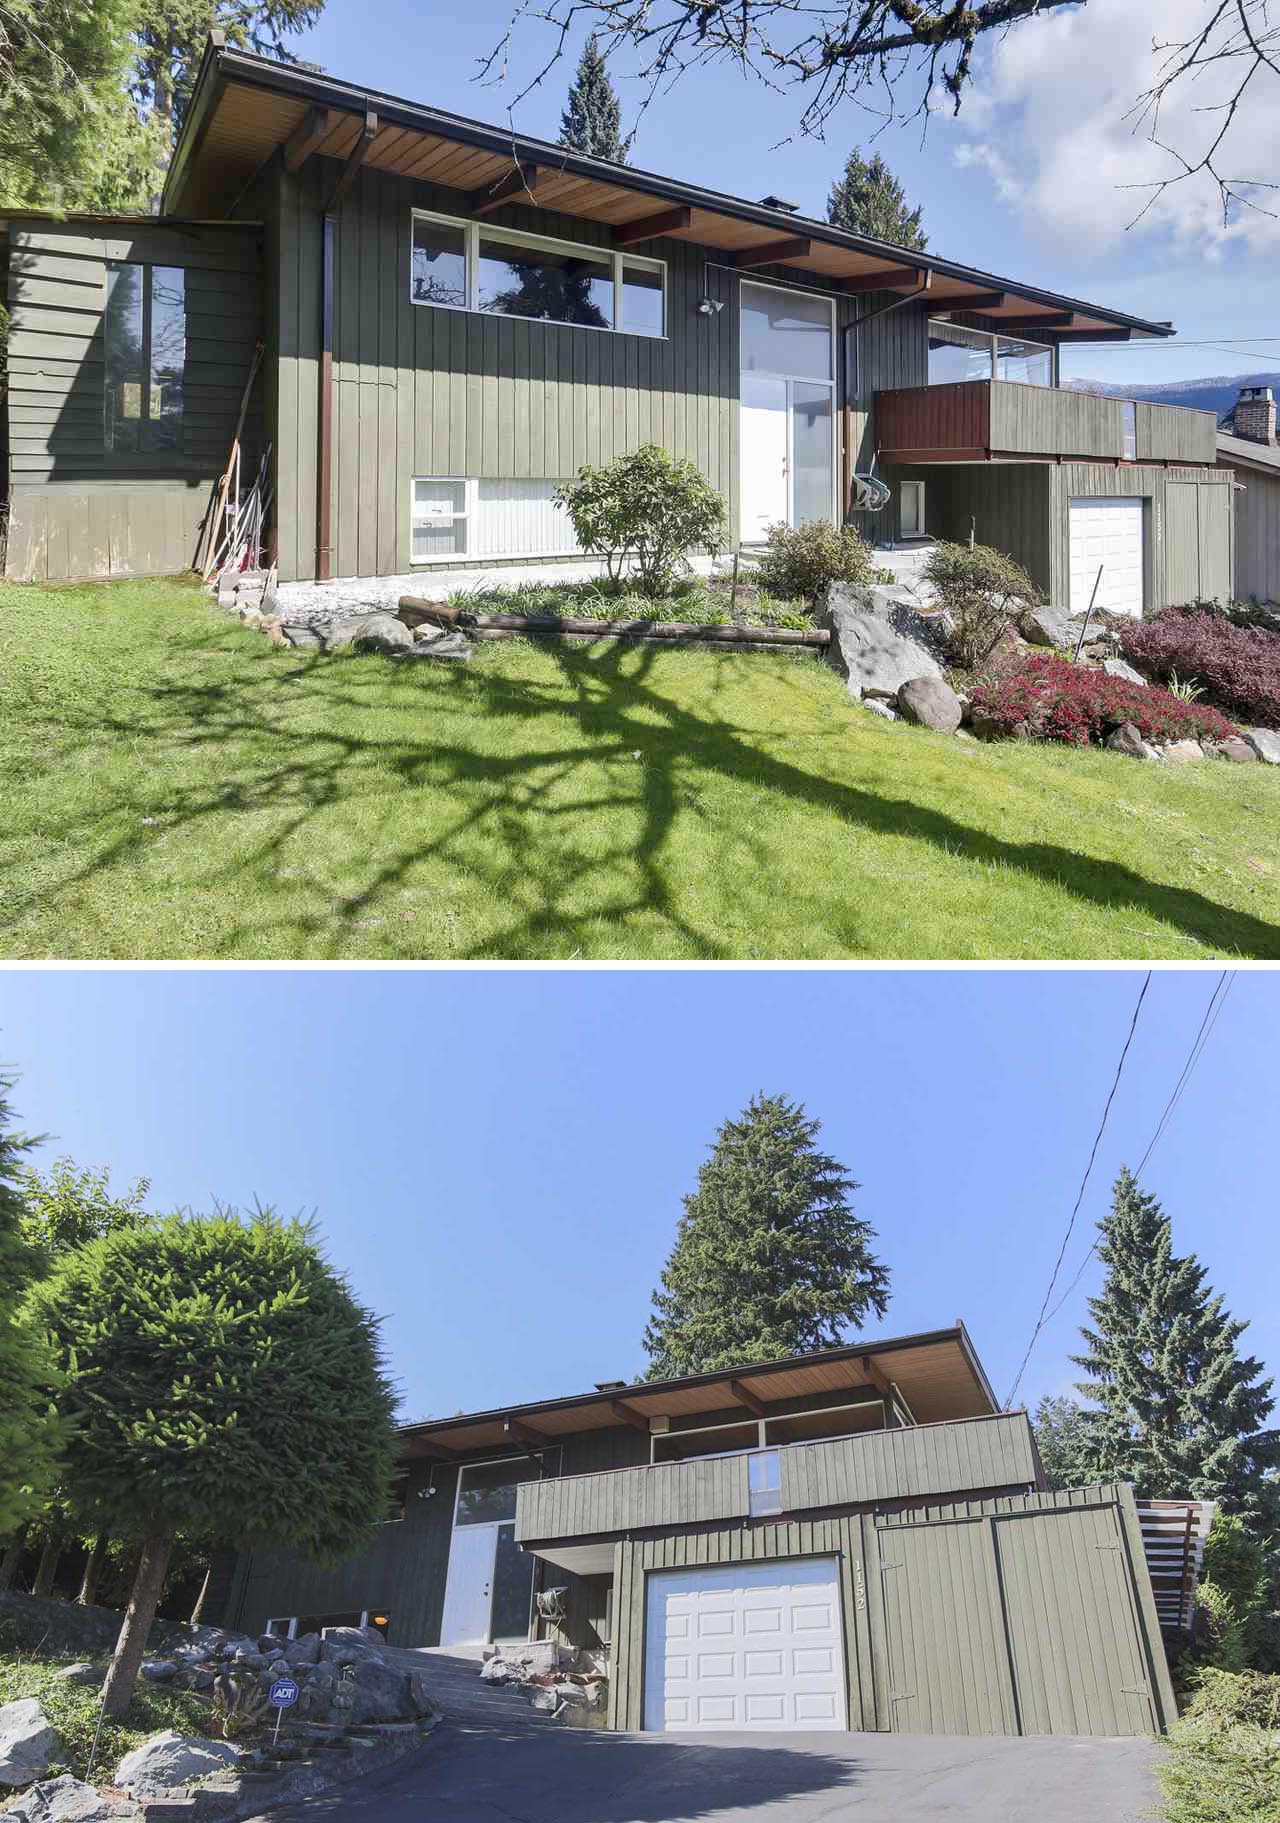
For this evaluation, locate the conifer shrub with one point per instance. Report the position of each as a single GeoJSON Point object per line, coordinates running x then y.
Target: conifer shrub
{"type": "Point", "coordinates": [1049, 699]}
{"type": "Point", "coordinates": [1238, 666]}
{"type": "Point", "coordinates": [803, 559]}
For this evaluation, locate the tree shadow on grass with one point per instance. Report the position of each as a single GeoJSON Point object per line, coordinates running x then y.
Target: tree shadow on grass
{"type": "Point", "coordinates": [516, 808]}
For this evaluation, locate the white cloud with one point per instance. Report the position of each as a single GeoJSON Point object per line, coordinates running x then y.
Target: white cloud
{"type": "Point", "coordinates": [1052, 121]}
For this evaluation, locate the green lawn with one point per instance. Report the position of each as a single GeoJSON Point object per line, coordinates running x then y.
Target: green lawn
{"type": "Point", "coordinates": [175, 786]}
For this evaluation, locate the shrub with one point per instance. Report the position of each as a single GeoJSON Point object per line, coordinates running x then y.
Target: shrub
{"type": "Point", "coordinates": [1051, 699]}
{"type": "Point", "coordinates": [982, 591]}
{"type": "Point", "coordinates": [648, 507]}
{"type": "Point", "coordinates": [803, 559]}
{"type": "Point", "coordinates": [1223, 1698]}
{"type": "Point", "coordinates": [1220, 1775]}
{"type": "Point", "coordinates": [1238, 666]}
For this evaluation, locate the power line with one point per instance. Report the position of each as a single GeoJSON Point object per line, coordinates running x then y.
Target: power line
{"type": "Point", "coordinates": [1097, 1141]}
{"type": "Point", "coordinates": [1217, 1000]}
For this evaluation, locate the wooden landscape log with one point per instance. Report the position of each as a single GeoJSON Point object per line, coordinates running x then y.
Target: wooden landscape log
{"type": "Point", "coordinates": [747, 643]}
{"type": "Point", "coordinates": [414, 609]}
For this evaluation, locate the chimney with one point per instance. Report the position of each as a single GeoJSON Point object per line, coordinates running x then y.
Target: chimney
{"type": "Point", "coordinates": [779, 202]}
{"type": "Point", "coordinates": [1254, 416]}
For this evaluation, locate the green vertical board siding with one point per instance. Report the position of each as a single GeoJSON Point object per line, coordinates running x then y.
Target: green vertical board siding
{"type": "Point", "coordinates": [1182, 542]}
{"type": "Point", "coordinates": [1172, 433]}
{"type": "Point", "coordinates": [79, 509]}
{"type": "Point", "coordinates": [1006, 505]}
{"type": "Point", "coordinates": [1256, 530]}
{"type": "Point", "coordinates": [948, 1672]}
{"type": "Point", "coordinates": [583, 1506]}
{"type": "Point", "coordinates": [1045, 421]}
{"type": "Point", "coordinates": [1174, 534]}
{"type": "Point", "coordinates": [920, 1460]}
{"type": "Point", "coordinates": [1216, 540]}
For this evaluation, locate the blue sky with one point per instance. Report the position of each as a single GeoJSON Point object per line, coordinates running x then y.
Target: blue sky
{"type": "Point", "coordinates": [497, 1158]}
{"type": "Point", "coordinates": [1026, 183]}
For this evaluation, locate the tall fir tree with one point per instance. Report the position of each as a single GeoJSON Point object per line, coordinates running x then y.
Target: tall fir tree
{"type": "Point", "coordinates": [592, 119]}
{"type": "Point", "coordinates": [868, 199]}
{"type": "Point", "coordinates": [1064, 1437]}
{"type": "Point", "coordinates": [170, 39]}
{"type": "Point", "coordinates": [769, 1258]}
{"type": "Point", "coordinates": [28, 1434]}
{"type": "Point", "coordinates": [1177, 1409]}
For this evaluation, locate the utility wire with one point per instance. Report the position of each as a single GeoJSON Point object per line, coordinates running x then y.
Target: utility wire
{"type": "Point", "coordinates": [1217, 1000]}
{"type": "Point", "coordinates": [1097, 1141]}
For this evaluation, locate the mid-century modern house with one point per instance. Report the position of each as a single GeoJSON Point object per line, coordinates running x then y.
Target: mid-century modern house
{"type": "Point", "coordinates": [456, 317]}
{"type": "Point", "coordinates": [855, 1539]}
{"type": "Point", "coordinates": [1249, 446]}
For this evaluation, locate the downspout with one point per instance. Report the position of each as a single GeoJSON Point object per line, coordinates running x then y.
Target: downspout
{"type": "Point", "coordinates": [869, 316]}
{"type": "Point", "coordinates": [324, 452]}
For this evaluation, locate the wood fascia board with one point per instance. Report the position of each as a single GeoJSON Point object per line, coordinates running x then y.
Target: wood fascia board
{"type": "Point", "coordinates": [629, 1415]}
{"type": "Point", "coordinates": [774, 253]}
{"type": "Point", "coordinates": [649, 227]}
{"type": "Point", "coordinates": [311, 131]}
{"type": "Point", "coordinates": [204, 108]}
{"type": "Point", "coordinates": [893, 278]}
{"type": "Point", "coordinates": [359, 152]}
{"type": "Point", "coordinates": [523, 181]}
{"type": "Point", "coordinates": [745, 1396]}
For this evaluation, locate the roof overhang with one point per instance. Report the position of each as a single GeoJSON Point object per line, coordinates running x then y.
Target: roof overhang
{"type": "Point", "coordinates": [937, 1373]}
{"type": "Point", "coordinates": [245, 109]}
{"type": "Point", "coordinates": [1262, 457]}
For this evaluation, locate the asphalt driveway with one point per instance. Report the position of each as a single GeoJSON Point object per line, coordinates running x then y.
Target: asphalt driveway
{"type": "Point", "coordinates": [475, 1773]}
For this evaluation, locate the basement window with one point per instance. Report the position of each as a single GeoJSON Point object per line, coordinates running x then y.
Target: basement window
{"type": "Point", "coordinates": [461, 265]}
{"type": "Point", "coordinates": [145, 353]}
{"type": "Point", "coordinates": [469, 516]}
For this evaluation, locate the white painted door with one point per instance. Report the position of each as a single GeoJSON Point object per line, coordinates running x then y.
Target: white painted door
{"type": "Point", "coordinates": [1107, 532]}
{"type": "Point", "coordinates": [763, 435]}
{"type": "Point", "coordinates": [468, 1590]}
{"type": "Point", "coordinates": [754, 1645]}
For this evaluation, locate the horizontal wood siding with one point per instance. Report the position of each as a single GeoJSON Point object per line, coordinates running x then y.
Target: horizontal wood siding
{"type": "Point", "coordinates": [668, 1493]}
{"type": "Point", "coordinates": [1257, 533]}
{"type": "Point", "coordinates": [1173, 433]}
{"type": "Point", "coordinates": [79, 510]}
{"type": "Point", "coordinates": [917, 1460]}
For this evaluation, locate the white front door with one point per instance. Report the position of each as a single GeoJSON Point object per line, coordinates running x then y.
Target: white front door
{"type": "Point", "coordinates": [747, 1645]}
{"type": "Point", "coordinates": [764, 455]}
{"type": "Point", "coordinates": [1107, 531]}
{"type": "Point", "coordinates": [468, 1590]}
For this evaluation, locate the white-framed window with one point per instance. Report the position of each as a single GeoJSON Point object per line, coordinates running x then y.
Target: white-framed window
{"type": "Point", "coordinates": [461, 265]}
{"type": "Point", "coordinates": [911, 509]}
{"type": "Point", "coordinates": [764, 1483]}
{"type": "Point", "coordinates": [469, 516]}
{"type": "Point", "coordinates": [284, 1626]}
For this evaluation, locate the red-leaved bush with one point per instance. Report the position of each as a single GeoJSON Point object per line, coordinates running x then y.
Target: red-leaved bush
{"type": "Point", "coordinates": [1238, 666]}
{"type": "Point", "coordinates": [1050, 699]}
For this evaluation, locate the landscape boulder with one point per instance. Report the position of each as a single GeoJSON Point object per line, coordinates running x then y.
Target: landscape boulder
{"type": "Point", "coordinates": [1126, 739]}
{"type": "Point", "coordinates": [304, 1651]}
{"type": "Point", "coordinates": [1236, 748]}
{"type": "Point", "coordinates": [1116, 667]}
{"type": "Point", "coordinates": [931, 703]}
{"type": "Point", "coordinates": [159, 1670]}
{"type": "Point", "coordinates": [1046, 626]}
{"type": "Point", "coordinates": [1183, 752]}
{"type": "Point", "coordinates": [28, 1745]}
{"type": "Point", "coordinates": [171, 1759]}
{"type": "Point", "coordinates": [377, 1693]}
{"type": "Point", "coordinates": [866, 648]}
{"type": "Point", "coordinates": [1265, 743]}
{"type": "Point", "coordinates": [438, 642]}
{"type": "Point", "coordinates": [906, 609]}
{"type": "Point", "coordinates": [82, 1672]}
{"type": "Point", "coordinates": [369, 633]}
{"type": "Point", "coordinates": [67, 1800]}
{"type": "Point", "coordinates": [874, 704]}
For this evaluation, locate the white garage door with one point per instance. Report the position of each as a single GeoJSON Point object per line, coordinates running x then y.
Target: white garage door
{"type": "Point", "coordinates": [1107, 532]}
{"type": "Point", "coordinates": [745, 1646]}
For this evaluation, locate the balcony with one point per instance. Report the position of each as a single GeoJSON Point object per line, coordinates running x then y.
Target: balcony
{"type": "Point", "coordinates": [920, 1460]}
{"type": "Point", "coordinates": [978, 420]}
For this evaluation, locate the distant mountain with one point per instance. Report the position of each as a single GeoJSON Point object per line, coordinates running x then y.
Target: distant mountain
{"type": "Point", "coordinates": [1217, 393]}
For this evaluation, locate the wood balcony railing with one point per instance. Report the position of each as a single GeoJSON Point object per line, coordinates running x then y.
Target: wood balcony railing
{"type": "Point", "coordinates": [968, 1456]}
{"type": "Point", "coordinates": [981, 420]}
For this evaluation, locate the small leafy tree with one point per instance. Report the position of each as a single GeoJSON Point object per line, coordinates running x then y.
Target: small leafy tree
{"type": "Point", "coordinates": [647, 508]}
{"type": "Point", "coordinates": [28, 1434]}
{"type": "Point", "coordinates": [592, 119]}
{"type": "Point", "coordinates": [72, 1204]}
{"type": "Point", "coordinates": [803, 559]}
{"type": "Point", "coordinates": [868, 199]}
{"type": "Point", "coordinates": [221, 1382]}
{"type": "Point", "coordinates": [1064, 1440]}
{"type": "Point", "coordinates": [982, 592]}
{"type": "Point", "coordinates": [769, 1258]}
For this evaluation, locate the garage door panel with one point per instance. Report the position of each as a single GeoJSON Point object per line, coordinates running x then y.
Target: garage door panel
{"type": "Point", "coordinates": [754, 1645]}
{"type": "Point", "coordinates": [1108, 531]}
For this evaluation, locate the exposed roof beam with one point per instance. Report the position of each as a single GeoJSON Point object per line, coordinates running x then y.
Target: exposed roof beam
{"type": "Point", "coordinates": [629, 1415]}
{"type": "Point", "coordinates": [525, 1433]}
{"type": "Point", "coordinates": [1062, 319]}
{"type": "Point", "coordinates": [666, 221]}
{"type": "Point", "coordinates": [1096, 335]}
{"type": "Point", "coordinates": [893, 278]}
{"type": "Point", "coordinates": [745, 1396]}
{"type": "Point", "coordinates": [359, 152]}
{"type": "Point", "coordinates": [523, 181]}
{"type": "Point", "coordinates": [441, 1451]}
{"type": "Point", "coordinates": [309, 133]}
{"type": "Point", "coordinates": [776, 253]}
{"type": "Point", "coordinates": [874, 1375]}
{"type": "Point", "coordinates": [972, 306]}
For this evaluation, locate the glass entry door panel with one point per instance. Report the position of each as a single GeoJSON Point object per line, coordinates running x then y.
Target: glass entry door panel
{"type": "Point", "coordinates": [811, 447]}
{"type": "Point", "coordinates": [787, 418]}
{"type": "Point", "coordinates": [764, 454]}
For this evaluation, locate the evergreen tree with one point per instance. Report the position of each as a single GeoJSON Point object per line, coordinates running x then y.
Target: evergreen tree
{"type": "Point", "coordinates": [1064, 1439]}
{"type": "Point", "coordinates": [27, 1432]}
{"type": "Point", "coordinates": [223, 1384]}
{"type": "Point", "coordinates": [1178, 1410]}
{"type": "Point", "coordinates": [769, 1259]}
{"type": "Point", "coordinates": [171, 37]}
{"type": "Point", "coordinates": [869, 200]}
{"type": "Point", "coordinates": [592, 119]}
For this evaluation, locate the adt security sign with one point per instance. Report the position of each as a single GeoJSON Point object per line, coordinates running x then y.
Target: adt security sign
{"type": "Point", "coordinates": [283, 1694]}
